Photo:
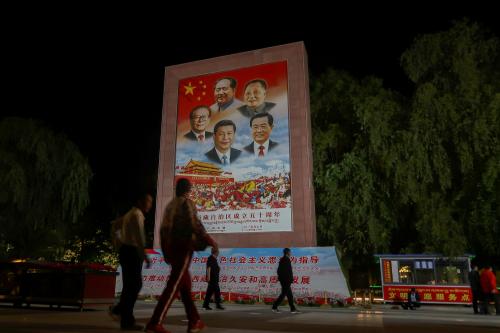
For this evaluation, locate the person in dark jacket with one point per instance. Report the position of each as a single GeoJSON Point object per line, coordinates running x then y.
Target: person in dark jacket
{"type": "Point", "coordinates": [255, 95]}
{"type": "Point", "coordinates": [413, 300]}
{"type": "Point", "coordinates": [475, 286]}
{"type": "Point", "coordinates": [213, 288]}
{"type": "Point", "coordinates": [224, 135]}
{"type": "Point", "coordinates": [199, 118]}
{"type": "Point", "coordinates": [285, 277]}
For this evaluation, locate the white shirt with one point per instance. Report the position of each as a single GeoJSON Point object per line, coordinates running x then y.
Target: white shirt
{"type": "Point", "coordinates": [198, 134]}
{"type": "Point", "coordinates": [133, 229]}
{"type": "Point", "coordinates": [256, 149]}
{"type": "Point", "coordinates": [228, 155]}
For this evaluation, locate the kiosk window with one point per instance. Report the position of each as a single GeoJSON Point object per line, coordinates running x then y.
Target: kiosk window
{"type": "Point", "coordinates": [406, 272]}
{"type": "Point", "coordinates": [452, 272]}
{"type": "Point", "coordinates": [424, 272]}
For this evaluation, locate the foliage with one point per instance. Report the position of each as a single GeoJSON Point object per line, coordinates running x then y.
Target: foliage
{"type": "Point", "coordinates": [96, 248]}
{"type": "Point", "coordinates": [454, 141]}
{"type": "Point", "coordinates": [44, 180]}
{"type": "Point", "coordinates": [354, 157]}
{"type": "Point", "coordinates": [412, 174]}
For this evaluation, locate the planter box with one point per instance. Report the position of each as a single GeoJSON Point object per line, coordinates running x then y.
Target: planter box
{"type": "Point", "coordinates": [56, 284]}
{"type": "Point", "coordinates": [10, 283]}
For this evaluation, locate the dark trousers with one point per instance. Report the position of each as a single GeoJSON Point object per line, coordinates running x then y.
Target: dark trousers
{"type": "Point", "coordinates": [476, 298]}
{"type": "Point", "coordinates": [131, 262]}
{"type": "Point", "coordinates": [411, 305]}
{"type": "Point", "coordinates": [491, 298]}
{"type": "Point", "coordinates": [286, 290]}
{"type": "Point", "coordinates": [212, 289]}
{"type": "Point", "coordinates": [179, 281]}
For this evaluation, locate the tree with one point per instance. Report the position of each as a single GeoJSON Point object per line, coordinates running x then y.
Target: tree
{"type": "Point", "coordinates": [355, 149]}
{"type": "Point", "coordinates": [453, 145]}
{"type": "Point", "coordinates": [44, 180]}
{"type": "Point", "coordinates": [418, 174]}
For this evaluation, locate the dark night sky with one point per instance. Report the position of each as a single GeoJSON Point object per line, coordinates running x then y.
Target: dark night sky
{"type": "Point", "coordinates": [99, 77]}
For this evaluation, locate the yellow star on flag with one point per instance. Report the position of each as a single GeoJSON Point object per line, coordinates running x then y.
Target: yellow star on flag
{"type": "Point", "coordinates": [189, 89]}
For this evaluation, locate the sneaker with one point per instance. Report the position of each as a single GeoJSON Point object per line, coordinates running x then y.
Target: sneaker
{"type": "Point", "coordinates": [134, 327]}
{"type": "Point", "coordinates": [155, 329]}
{"type": "Point", "coordinates": [220, 307]}
{"type": "Point", "coordinates": [295, 311]}
{"type": "Point", "coordinates": [206, 308]}
{"type": "Point", "coordinates": [276, 310]}
{"type": "Point", "coordinates": [197, 327]}
{"type": "Point", "coordinates": [111, 312]}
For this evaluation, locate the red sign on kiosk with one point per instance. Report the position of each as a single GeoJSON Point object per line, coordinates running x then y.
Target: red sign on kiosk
{"type": "Point", "coordinates": [387, 271]}
{"type": "Point", "coordinates": [429, 294]}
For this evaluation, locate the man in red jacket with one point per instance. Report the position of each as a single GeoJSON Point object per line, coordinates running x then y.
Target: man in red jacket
{"type": "Point", "coordinates": [489, 287]}
{"type": "Point", "coordinates": [178, 229]}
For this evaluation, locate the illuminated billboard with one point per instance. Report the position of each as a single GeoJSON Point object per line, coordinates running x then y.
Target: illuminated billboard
{"type": "Point", "coordinates": [238, 126]}
{"type": "Point", "coordinates": [233, 144]}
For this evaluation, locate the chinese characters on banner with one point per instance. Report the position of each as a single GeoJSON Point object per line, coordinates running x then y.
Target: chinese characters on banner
{"type": "Point", "coordinates": [233, 144]}
{"type": "Point", "coordinates": [434, 294]}
{"type": "Point", "coordinates": [244, 220]}
{"type": "Point", "coordinates": [252, 272]}
{"type": "Point", "coordinates": [387, 270]}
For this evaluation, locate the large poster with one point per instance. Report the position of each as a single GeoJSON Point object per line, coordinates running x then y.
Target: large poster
{"type": "Point", "coordinates": [251, 272]}
{"type": "Point", "coordinates": [233, 144]}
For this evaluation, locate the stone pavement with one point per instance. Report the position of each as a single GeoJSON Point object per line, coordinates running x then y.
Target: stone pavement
{"type": "Point", "coordinates": [258, 318]}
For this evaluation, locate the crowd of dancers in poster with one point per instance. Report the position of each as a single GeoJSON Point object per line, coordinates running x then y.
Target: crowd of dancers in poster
{"type": "Point", "coordinates": [233, 144]}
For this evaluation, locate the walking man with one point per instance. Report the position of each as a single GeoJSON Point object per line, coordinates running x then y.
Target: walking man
{"type": "Point", "coordinates": [131, 254]}
{"type": "Point", "coordinates": [213, 288]}
{"type": "Point", "coordinates": [285, 277]}
{"type": "Point", "coordinates": [179, 231]}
